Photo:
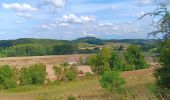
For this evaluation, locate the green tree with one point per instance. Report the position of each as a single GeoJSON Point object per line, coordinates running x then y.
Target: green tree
{"type": "Point", "coordinates": [115, 61]}
{"type": "Point", "coordinates": [163, 23]}
{"type": "Point", "coordinates": [162, 74]}
{"type": "Point", "coordinates": [163, 27]}
{"type": "Point", "coordinates": [27, 50]}
{"type": "Point", "coordinates": [134, 57]}
{"type": "Point", "coordinates": [100, 62]}
{"type": "Point", "coordinates": [112, 81]}
{"type": "Point", "coordinates": [65, 48]}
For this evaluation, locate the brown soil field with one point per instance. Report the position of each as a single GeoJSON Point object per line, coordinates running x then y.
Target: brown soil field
{"type": "Point", "coordinates": [49, 61]}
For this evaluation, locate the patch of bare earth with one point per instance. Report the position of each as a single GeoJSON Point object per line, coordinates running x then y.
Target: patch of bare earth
{"type": "Point", "coordinates": [26, 61]}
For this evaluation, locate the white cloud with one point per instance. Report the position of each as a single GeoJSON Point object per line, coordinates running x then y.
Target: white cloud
{"type": "Point", "coordinates": [141, 13]}
{"type": "Point", "coordinates": [145, 2]}
{"type": "Point", "coordinates": [19, 7]}
{"type": "Point", "coordinates": [45, 26]}
{"type": "Point", "coordinates": [23, 10]}
{"type": "Point", "coordinates": [88, 34]}
{"type": "Point", "coordinates": [54, 3]}
{"type": "Point", "coordinates": [25, 15]}
{"type": "Point", "coordinates": [63, 24]}
{"type": "Point", "coordinates": [106, 24]}
{"type": "Point", "coordinates": [75, 19]}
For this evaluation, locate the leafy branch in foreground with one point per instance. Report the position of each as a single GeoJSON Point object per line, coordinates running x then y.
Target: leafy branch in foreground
{"type": "Point", "coordinates": [163, 24]}
{"type": "Point", "coordinates": [162, 73]}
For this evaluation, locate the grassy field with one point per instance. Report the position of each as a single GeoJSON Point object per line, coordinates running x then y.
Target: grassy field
{"type": "Point", "coordinates": [138, 85]}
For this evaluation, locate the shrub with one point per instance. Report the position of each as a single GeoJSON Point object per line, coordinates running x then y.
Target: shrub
{"type": "Point", "coordinates": [88, 75]}
{"type": "Point", "coordinates": [25, 76]}
{"type": "Point", "coordinates": [9, 83]}
{"type": "Point", "coordinates": [127, 67]}
{"type": "Point", "coordinates": [8, 77]}
{"type": "Point", "coordinates": [112, 81]}
{"type": "Point", "coordinates": [71, 97]}
{"type": "Point", "coordinates": [35, 74]}
{"type": "Point", "coordinates": [71, 74]}
{"type": "Point", "coordinates": [66, 64]}
{"type": "Point", "coordinates": [38, 73]}
{"type": "Point", "coordinates": [58, 72]}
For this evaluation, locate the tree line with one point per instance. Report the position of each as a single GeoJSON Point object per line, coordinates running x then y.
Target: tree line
{"type": "Point", "coordinates": [39, 47]}
{"type": "Point", "coordinates": [40, 50]}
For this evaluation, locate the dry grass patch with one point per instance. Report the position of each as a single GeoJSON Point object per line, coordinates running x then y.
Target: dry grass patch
{"type": "Point", "coordinates": [138, 83]}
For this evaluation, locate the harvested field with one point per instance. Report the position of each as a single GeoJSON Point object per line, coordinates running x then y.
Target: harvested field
{"type": "Point", "coordinates": [47, 60]}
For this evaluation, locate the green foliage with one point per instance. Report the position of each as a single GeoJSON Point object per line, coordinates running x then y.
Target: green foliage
{"type": "Point", "coordinates": [134, 57]}
{"type": "Point", "coordinates": [112, 81]}
{"type": "Point", "coordinates": [71, 97]}
{"type": "Point", "coordinates": [88, 51]}
{"type": "Point", "coordinates": [9, 83]}
{"type": "Point", "coordinates": [66, 64]}
{"type": "Point", "coordinates": [163, 27]}
{"type": "Point", "coordinates": [35, 74]}
{"type": "Point", "coordinates": [90, 40]}
{"type": "Point", "coordinates": [108, 59]}
{"type": "Point", "coordinates": [71, 76]}
{"type": "Point", "coordinates": [8, 77]}
{"type": "Point", "coordinates": [162, 74]}
{"type": "Point", "coordinates": [127, 67]}
{"type": "Point", "coordinates": [163, 23]}
{"type": "Point", "coordinates": [100, 62]}
{"type": "Point", "coordinates": [39, 47]}
{"type": "Point", "coordinates": [27, 50]}
{"type": "Point", "coordinates": [115, 61]}
{"type": "Point", "coordinates": [38, 73]}
{"type": "Point", "coordinates": [66, 48]}
{"type": "Point", "coordinates": [89, 75]}
{"type": "Point", "coordinates": [25, 76]}
{"type": "Point", "coordinates": [65, 72]}
{"type": "Point", "coordinates": [71, 73]}
{"type": "Point", "coordinates": [58, 70]}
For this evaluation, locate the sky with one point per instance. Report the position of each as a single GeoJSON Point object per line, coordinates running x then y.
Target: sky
{"type": "Point", "coordinates": [71, 19]}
